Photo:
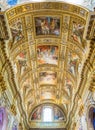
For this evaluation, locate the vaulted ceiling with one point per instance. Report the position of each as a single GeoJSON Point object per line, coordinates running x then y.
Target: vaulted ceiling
{"type": "Point", "coordinates": [47, 50]}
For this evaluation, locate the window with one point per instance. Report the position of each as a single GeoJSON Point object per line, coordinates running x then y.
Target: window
{"type": "Point", "coordinates": [47, 114]}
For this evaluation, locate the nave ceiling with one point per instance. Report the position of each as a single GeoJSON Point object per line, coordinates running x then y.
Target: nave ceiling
{"type": "Point", "coordinates": [47, 49]}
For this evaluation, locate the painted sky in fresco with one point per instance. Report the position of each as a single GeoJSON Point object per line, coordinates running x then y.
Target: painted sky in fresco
{"type": "Point", "coordinates": [5, 4]}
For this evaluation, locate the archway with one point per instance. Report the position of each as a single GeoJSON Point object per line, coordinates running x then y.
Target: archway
{"type": "Point", "coordinates": [91, 118]}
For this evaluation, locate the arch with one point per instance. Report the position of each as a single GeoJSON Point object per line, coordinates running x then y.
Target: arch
{"type": "Point", "coordinates": [91, 118]}
{"type": "Point", "coordinates": [56, 111]}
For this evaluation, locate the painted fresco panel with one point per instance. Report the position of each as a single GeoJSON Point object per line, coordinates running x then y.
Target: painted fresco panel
{"type": "Point", "coordinates": [37, 114]}
{"type": "Point", "coordinates": [47, 54]}
{"type": "Point", "coordinates": [77, 31]}
{"type": "Point", "coordinates": [47, 94]}
{"type": "Point", "coordinates": [17, 30]}
{"type": "Point", "coordinates": [49, 25]}
{"type": "Point", "coordinates": [22, 62]}
{"type": "Point", "coordinates": [48, 77]}
{"type": "Point", "coordinates": [58, 115]}
{"type": "Point", "coordinates": [73, 61]}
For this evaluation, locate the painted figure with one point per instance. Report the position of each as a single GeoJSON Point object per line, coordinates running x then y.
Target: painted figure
{"type": "Point", "coordinates": [22, 62]}
{"type": "Point", "coordinates": [77, 32]}
{"type": "Point", "coordinates": [37, 114]}
{"type": "Point", "coordinates": [58, 114]}
{"type": "Point", "coordinates": [16, 29]}
{"type": "Point", "coordinates": [72, 62]}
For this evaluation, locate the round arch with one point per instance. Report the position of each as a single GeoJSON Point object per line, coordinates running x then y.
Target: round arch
{"type": "Point", "coordinates": [91, 117]}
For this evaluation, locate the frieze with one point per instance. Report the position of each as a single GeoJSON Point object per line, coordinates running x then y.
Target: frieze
{"type": "Point", "coordinates": [64, 7]}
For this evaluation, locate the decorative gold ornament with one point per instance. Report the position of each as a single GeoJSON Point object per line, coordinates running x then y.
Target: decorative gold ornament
{"type": "Point", "coordinates": [81, 110]}
{"type": "Point", "coordinates": [13, 109]}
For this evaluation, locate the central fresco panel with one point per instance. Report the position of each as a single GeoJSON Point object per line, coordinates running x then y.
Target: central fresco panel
{"type": "Point", "coordinates": [47, 25]}
{"type": "Point", "coordinates": [48, 93]}
{"type": "Point", "coordinates": [48, 77]}
{"type": "Point", "coordinates": [47, 54]}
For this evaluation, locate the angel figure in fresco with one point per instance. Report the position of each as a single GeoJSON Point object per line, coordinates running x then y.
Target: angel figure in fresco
{"type": "Point", "coordinates": [56, 114]}
{"type": "Point", "coordinates": [16, 30]}
{"type": "Point", "coordinates": [77, 32]}
{"type": "Point", "coordinates": [37, 114]}
{"type": "Point", "coordinates": [17, 34]}
{"type": "Point", "coordinates": [22, 61]}
{"type": "Point", "coordinates": [52, 26]}
{"type": "Point", "coordinates": [72, 61]}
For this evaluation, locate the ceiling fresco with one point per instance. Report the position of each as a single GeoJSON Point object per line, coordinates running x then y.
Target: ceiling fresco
{"type": "Point", "coordinates": [47, 52]}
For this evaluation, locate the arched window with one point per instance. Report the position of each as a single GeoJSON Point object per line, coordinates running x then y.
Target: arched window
{"type": "Point", "coordinates": [47, 113]}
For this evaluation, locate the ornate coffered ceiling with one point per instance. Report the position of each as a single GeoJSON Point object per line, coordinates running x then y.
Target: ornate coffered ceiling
{"type": "Point", "coordinates": [47, 49]}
